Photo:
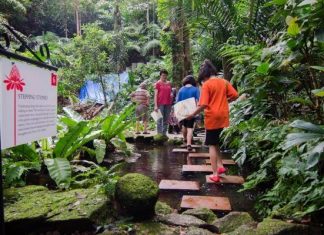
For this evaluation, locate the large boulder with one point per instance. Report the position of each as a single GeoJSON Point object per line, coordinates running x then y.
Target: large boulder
{"type": "Point", "coordinates": [201, 213]}
{"type": "Point", "coordinates": [182, 220]}
{"type": "Point", "coordinates": [136, 195]}
{"type": "Point", "coordinates": [272, 227]}
{"type": "Point", "coordinates": [198, 231]}
{"type": "Point", "coordinates": [278, 227]}
{"type": "Point", "coordinates": [232, 221]}
{"type": "Point", "coordinates": [35, 208]}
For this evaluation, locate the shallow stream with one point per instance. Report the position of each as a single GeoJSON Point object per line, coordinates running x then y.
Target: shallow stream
{"type": "Point", "coordinates": [160, 163]}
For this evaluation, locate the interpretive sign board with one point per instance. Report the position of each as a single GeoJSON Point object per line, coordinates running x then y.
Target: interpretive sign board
{"type": "Point", "coordinates": [28, 102]}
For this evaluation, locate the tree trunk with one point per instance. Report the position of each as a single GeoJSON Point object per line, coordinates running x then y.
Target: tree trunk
{"type": "Point", "coordinates": [148, 13]}
{"type": "Point", "coordinates": [77, 19]}
{"type": "Point", "coordinates": [117, 19]}
{"type": "Point", "coordinates": [181, 57]}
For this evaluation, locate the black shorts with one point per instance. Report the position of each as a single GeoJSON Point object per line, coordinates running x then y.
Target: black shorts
{"type": "Point", "coordinates": [188, 123]}
{"type": "Point", "coordinates": [212, 136]}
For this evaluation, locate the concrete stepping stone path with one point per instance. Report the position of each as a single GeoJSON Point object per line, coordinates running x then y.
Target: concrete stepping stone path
{"type": "Point", "coordinates": [227, 179]}
{"type": "Point", "coordinates": [179, 185]}
{"type": "Point", "coordinates": [212, 203]}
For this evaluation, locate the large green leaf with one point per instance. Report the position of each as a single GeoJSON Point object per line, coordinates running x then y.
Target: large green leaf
{"type": "Point", "coordinates": [294, 139]}
{"type": "Point", "coordinates": [320, 68]}
{"type": "Point", "coordinates": [100, 146]}
{"type": "Point", "coordinates": [307, 126]}
{"type": "Point", "coordinates": [60, 171]}
{"type": "Point", "coordinates": [82, 141]}
{"type": "Point", "coordinates": [27, 152]}
{"type": "Point", "coordinates": [69, 139]}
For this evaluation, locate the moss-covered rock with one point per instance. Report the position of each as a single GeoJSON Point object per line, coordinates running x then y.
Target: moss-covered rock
{"type": "Point", "coordinates": [137, 195]}
{"type": "Point", "coordinates": [198, 231]}
{"type": "Point", "coordinates": [272, 227]}
{"type": "Point", "coordinates": [174, 141]}
{"type": "Point", "coordinates": [202, 213]}
{"type": "Point", "coordinates": [181, 220]}
{"type": "Point", "coordinates": [232, 221]}
{"type": "Point", "coordinates": [279, 227]}
{"type": "Point", "coordinates": [161, 208]}
{"type": "Point", "coordinates": [32, 205]}
{"type": "Point", "coordinates": [160, 139]}
{"type": "Point", "coordinates": [155, 228]}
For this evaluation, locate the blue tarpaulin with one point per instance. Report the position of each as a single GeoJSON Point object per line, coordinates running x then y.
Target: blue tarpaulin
{"type": "Point", "coordinates": [92, 90]}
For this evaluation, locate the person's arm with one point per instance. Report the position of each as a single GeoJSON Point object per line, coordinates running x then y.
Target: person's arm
{"type": "Point", "coordinates": [155, 98]}
{"type": "Point", "coordinates": [197, 111]}
{"type": "Point", "coordinates": [203, 102]}
{"type": "Point", "coordinates": [231, 92]}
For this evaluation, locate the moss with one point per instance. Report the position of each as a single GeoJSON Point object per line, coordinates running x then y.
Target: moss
{"type": "Point", "coordinates": [39, 203]}
{"type": "Point", "coordinates": [162, 208]}
{"type": "Point", "coordinates": [156, 228]}
{"type": "Point", "coordinates": [160, 138]}
{"type": "Point", "coordinates": [137, 194]}
{"type": "Point", "coordinates": [232, 221]}
{"type": "Point", "coordinates": [278, 227]}
{"type": "Point", "coordinates": [202, 213]}
{"type": "Point", "coordinates": [175, 141]}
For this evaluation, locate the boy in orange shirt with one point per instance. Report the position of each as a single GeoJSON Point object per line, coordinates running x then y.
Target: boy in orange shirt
{"type": "Point", "coordinates": [215, 95]}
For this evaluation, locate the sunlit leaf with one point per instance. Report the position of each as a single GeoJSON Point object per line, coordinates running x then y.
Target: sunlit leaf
{"type": "Point", "coordinates": [319, 92]}
{"type": "Point", "coordinates": [307, 2]}
{"type": "Point", "coordinates": [263, 68]}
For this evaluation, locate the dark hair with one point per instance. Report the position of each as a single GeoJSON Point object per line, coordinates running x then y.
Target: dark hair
{"type": "Point", "coordinates": [189, 80]}
{"type": "Point", "coordinates": [207, 69]}
{"type": "Point", "coordinates": [163, 71]}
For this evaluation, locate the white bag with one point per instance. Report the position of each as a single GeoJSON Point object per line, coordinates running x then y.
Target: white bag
{"type": "Point", "coordinates": [184, 108]}
{"type": "Point", "coordinates": [156, 115]}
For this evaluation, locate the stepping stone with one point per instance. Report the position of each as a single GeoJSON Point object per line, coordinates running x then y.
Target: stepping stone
{"type": "Point", "coordinates": [180, 150]}
{"type": "Point", "coordinates": [193, 146]}
{"type": "Point", "coordinates": [212, 203]}
{"type": "Point", "coordinates": [225, 162]}
{"type": "Point", "coordinates": [199, 155]}
{"type": "Point", "coordinates": [228, 179]}
{"type": "Point", "coordinates": [179, 185]}
{"type": "Point", "coordinates": [201, 135]}
{"type": "Point", "coordinates": [196, 168]}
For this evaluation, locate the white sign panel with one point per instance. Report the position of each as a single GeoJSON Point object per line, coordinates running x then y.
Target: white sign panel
{"type": "Point", "coordinates": [28, 103]}
{"type": "Point", "coordinates": [184, 108]}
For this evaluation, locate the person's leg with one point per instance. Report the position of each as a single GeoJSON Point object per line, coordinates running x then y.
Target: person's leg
{"type": "Point", "coordinates": [184, 133]}
{"type": "Point", "coordinates": [215, 158]}
{"type": "Point", "coordinates": [189, 136]}
{"type": "Point", "coordinates": [160, 121]}
{"type": "Point", "coordinates": [145, 126]}
{"type": "Point", "coordinates": [137, 126]}
{"type": "Point", "coordinates": [166, 114]}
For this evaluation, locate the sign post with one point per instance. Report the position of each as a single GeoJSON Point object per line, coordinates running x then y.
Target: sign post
{"type": "Point", "coordinates": [28, 106]}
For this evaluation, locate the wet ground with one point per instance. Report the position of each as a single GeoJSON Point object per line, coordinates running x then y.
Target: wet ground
{"type": "Point", "coordinates": [160, 163]}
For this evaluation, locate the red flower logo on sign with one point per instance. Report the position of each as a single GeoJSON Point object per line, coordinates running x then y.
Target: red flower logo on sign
{"type": "Point", "coordinates": [53, 79]}
{"type": "Point", "coordinates": [13, 81]}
